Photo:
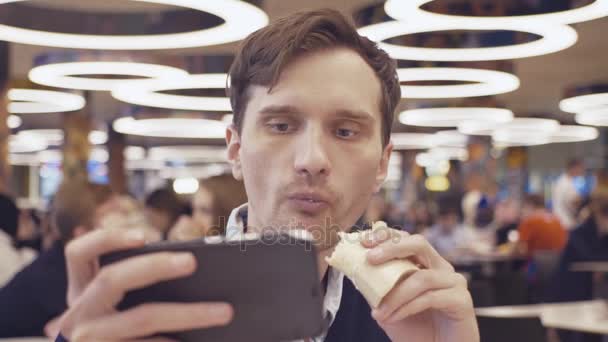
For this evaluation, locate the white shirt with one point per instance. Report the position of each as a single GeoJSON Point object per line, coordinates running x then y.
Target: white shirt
{"type": "Point", "coordinates": [564, 201]}
{"type": "Point", "coordinates": [331, 303]}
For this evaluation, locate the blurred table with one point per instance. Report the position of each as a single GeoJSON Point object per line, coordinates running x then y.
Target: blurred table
{"type": "Point", "coordinates": [589, 317]}
{"type": "Point", "coordinates": [584, 316]}
{"type": "Point", "coordinates": [591, 266]}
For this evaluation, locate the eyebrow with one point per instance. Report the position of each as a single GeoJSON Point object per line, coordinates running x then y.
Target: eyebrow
{"type": "Point", "coordinates": [340, 113]}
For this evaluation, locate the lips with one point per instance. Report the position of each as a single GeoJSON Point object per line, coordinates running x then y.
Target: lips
{"type": "Point", "coordinates": [308, 202]}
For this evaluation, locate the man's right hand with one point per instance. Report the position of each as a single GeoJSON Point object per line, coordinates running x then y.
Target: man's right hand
{"type": "Point", "coordinates": [93, 293]}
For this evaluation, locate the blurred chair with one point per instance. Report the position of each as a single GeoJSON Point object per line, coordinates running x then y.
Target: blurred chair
{"type": "Point", "coordinates": [521, 329]}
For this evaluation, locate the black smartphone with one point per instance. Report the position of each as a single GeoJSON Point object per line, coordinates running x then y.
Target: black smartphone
{"type": "Point", "coordinates": [271, 281]}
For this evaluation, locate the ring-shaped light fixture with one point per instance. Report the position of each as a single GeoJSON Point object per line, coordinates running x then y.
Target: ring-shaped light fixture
{"type": "Point", "coordinates": [34, 101]}
{"type": "Point", "coordinates": [55, 136]}
{"type": "Point", "coordinates": [410, 10]}
{"type": "Point", "coordinates": [67, 75]}
{"type": "Point", "coordinates": [240, 19]}
{"type": "Point", "coordinates": [13, 121]}
{"type": "Point", "coordinates": [583, 103]}
{"type": "Point", "coordinates": [574, 133]}
{"type": "Point", "coordinates": [187, 153]}
{"type": "Point", "coordinates": [26, 144]}
{"type": "Point", "coordinates": [453, 116]}
{"type": "Point", "coordinates": [487, 82]}
{"type": "Point", "coordinates": [597, 117]}
{"type": "Point", "coordinates": [412, 141]}
{"type": "Point", "coordinates": [554, 38]}
{"type": "Point", "coordinates": [525, 132]}
{"type": "Point", "coordinates": [147, 93]}
{"type": "Point", "coordinates": [172, 128]}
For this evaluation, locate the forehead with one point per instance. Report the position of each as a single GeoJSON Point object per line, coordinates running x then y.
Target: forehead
{"type": "Point", "coordinates": [326, 81]}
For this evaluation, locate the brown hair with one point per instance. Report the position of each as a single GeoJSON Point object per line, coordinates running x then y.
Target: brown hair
{"type": "Point", "coordinates": [74, 205]}
{"type": "Point", "coordinates": [267, 52]}
{"type": "Point", "coordinates": [534, 200]}
{"type": "Point", "coordinates": [228, 193]}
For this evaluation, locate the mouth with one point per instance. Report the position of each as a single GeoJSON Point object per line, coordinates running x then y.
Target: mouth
{"type": "Point", "coordinates": [310, 203]}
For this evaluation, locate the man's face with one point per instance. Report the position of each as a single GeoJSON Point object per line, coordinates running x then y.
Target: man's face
{"type": "Point", "coordinates": [310, 152]}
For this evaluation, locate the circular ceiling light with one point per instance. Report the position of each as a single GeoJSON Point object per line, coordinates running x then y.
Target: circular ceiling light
{"type": "Point", "coordinates": [63, 75]}
{"type": "Point", "coordinates": [98, 154]}
{"type": "Point", "coordinates": [578, 104]}
{"type": "Point", "coordinates": [598, 117]}
{"type": "Point", "coordinates": [488, 82]}
{"type": "Point", "coordinates": [450, 138]}
{"type": "Point", "coordinates": [525, 132]}
{"type": "Point", "coordinates": [188, 153]}
{"type": "Point", "coordinates": [172, 128]}
{"type": "Point", "coordinates": [449, 153]}
{"type": "Point", "coordinates": [146, 93]}
{"type": "Point", "coordinates": [26, 144]}
{"type": "Point", "coordinates": [471, 127]}
{"type": "Point", "coordinates": [554, 38]}
{"type": "Point", "coordinates": [240, 19]}
{"type": "Point", "coordinates": [13, 121]}
{"type": "Point", "coordinates": [55, 136]}
{"type": "Point", "coordinates": [507, 137]}
{"type": "Point", "coordinates": [134, 153]}
{"type": "Point", "coordinates": [574, 133]}
{"type": "Point", "coordinates": [32, 101]}
{"type": "Point", "coordinates": [412, 141]}
{"type": "Point", "coordinates": [410, 9]}
{"type": "Point", "coordinates": [453, 116]}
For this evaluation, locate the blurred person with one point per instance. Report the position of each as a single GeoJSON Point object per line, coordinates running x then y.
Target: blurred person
{"type": "Point", "coordinates": [28, 234]}
{"type": "Point", "coordinates": [448, 236]}
{"type": "Point", "coordinates": [211, 207]}
{"type": "Point", "coordinates": [37, 294]}
{"type": "Point", "coordinates": [471, 198]}
{"type": "Point", "coordinates": [539, 230]}
{"type": "Point", "coordinates": [162, 208]}
{"type": "Point", "coordinates": [12, 259]}
{"type": "Point", "coordinates": [565, 195]}
{"type": "Point", "coordinates": [587, 242]}
{"type": "Point", "coordinates": [506, 219]}
{"type": "Point", "coordinates": [313, 106]}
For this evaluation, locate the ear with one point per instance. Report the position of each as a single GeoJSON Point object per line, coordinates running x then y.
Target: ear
{"type": "Point", "coordinates": [233, 141]}
{"type": "Point", "coordinates": [383, 167]}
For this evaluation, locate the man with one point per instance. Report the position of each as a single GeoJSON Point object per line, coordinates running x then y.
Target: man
{"type": "Point", "coordinates": [37, 294]}
{"type": "Point", "coordinates": [313, 106]}
{"type": "Point", "coordinates": [539, 230]}
{"type": "Point", "coordinates": [565, 196]}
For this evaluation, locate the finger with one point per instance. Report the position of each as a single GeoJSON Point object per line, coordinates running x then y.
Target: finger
{"type": "Point", "coordinates": [114, 280]}
{"type": "Point", "coordinates": [82, 255]}
{"type": "Point", "coordinates": [414, 286]}
{"type": "Point", "coordinates": [150, 319]}
{"type": "Point", "coordinates": [445, 300]}
{"type": "Point", "coordinates": [380, 235]}
{"type": "Point", "coordinates": [405, 246]}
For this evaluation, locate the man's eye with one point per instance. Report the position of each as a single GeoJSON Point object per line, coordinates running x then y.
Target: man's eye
{"type": "Point", "coordinates": [279, 127]}
{"type": "Point", "coordinates": [345, 133]}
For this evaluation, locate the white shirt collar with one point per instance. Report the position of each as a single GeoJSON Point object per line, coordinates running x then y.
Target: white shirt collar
{"type": "Point", "coordinates": [235, 227]}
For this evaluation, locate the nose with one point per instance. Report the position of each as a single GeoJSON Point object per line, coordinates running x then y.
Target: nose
{"type": "Point", "coordinates": [311, 156]}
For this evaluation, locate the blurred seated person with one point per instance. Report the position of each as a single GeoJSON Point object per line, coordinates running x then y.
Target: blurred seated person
{"type": "Point", "coordinates": [539, 230]}
{"type": "Point", "coordinates": [588, 242]}
{"type": "Point", "coordinates": [29, 234]}
{"type": "Point", "coordinates": [162, 208]}
{"type": "Point", "coordinates": [211, 207]}
{"type": "Point", "coordinates": [506, 220]}
{"type": "Point", "coordinates": [37, 294]}
{"type": "Point", "coordinates": [449, 237]}
{"type": "Point", "coordinates": [12, 259]}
